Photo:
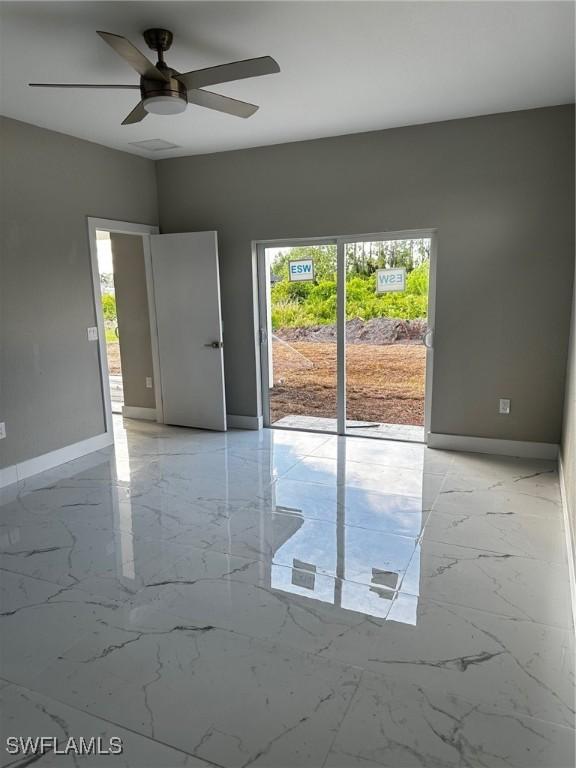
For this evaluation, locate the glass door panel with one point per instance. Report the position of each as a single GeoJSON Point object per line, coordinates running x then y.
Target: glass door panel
{"type": "Point", "coordinates": [300, 284]}
{"type": "Point", "coordinates": [386, 324]}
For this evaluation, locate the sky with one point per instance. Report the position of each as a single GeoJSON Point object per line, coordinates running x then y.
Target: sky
{"type": "Point", "coordinates": [104, 251]}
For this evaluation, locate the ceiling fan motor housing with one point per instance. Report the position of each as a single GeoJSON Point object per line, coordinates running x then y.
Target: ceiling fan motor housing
{"type": "Point", "coordinates": [171, 88]}
{"type": "Point", "coordinates": [160, 40]}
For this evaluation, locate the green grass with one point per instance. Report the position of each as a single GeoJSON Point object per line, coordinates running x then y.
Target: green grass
{"type": "Point", "coordinates": [110, 336]}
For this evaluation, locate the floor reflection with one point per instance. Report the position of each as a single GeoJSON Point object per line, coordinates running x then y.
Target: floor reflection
{"type": "Point", "coordinates": [344, 545]}
{"type": "Point", "coordinates": [325, 535]}
{"type": "Point", "coordinates": [122, 508]}
{"type": "Point", "coordinates": [372, 601]}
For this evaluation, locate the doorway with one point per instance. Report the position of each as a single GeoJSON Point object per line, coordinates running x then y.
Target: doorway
{"type": "Point", "coordinates": [346, 336]}
{"type": "Point", "coordinates": [127, 327]}
{"type": "Point", "coordinates": [125, 314]}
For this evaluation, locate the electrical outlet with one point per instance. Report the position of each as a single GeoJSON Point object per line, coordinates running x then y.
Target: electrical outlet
{"type": "Point", "coordinates": [148, 382]}
{"type": "Point", "coordinates": [92, 333]}
{"type": "Point", "coordinates": [2, 430]}
{"type": "Point", "coordinates": [504, 406]}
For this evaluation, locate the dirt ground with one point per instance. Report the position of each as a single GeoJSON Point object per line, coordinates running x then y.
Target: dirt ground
{"type": "Point", "coordinates": [385, 383]}
{"type": "Point", "coordinates": [113, 354]}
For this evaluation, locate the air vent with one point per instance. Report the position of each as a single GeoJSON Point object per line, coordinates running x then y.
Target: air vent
{"type": "Point", "coordinates": [154, 145]}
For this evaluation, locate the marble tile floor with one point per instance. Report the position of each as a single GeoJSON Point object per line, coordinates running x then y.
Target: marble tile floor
{"type": "Point", "coordinates": [288, 600]}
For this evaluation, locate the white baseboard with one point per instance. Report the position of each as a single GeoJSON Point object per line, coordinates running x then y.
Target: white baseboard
{"type": "Point", "coordinates": [38, 464]}
{"type": "Point", "coordinates": [570, 534]}
{"type": "Point", "coordinates": [136, 412]}
{"type": "Point", "coordinates": [520, 448]}
{"type": "Point", "coordinates": [244, 422]}
{"type": "Point", "coordinates": [8, 475]}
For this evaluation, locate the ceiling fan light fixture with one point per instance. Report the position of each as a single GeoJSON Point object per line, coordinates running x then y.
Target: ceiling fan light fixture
{"type": "Point", "coordinates": [164, 105]}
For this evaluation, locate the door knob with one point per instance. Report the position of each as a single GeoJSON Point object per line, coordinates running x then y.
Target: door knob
{"type": "Point", "coordinates": [215, 344]}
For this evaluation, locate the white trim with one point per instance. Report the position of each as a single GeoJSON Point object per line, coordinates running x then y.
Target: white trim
{"type": "Point", "coordinates": [520, 448]}
{"type": "Point", "coordinates": [256, 316]}
{"type": "Point", "coordinates": [244, 422]}
{"type": "Point", "coordinates": [104, 379]}
{"type": "Point", "coordinates": [341, 288]}
{"type": "Point", "coordinates": [24, 469]}
{"type": "Point", "coordinates": [570, 537]}
{"type": "Point", "coordinates": [397, 234]}
{"type": "Point", "coordinates": [8, 475]}
{"type": "Point", "coordinates": [136, 412]}
{"type": "Point", "coordinates": [262, 331]}
{"type": "Point", "coordinates": [125, 228]}
{"type": "Point", "coordinates": [431, 321]}
{"type": "Point", "coordinates": [147, 247]}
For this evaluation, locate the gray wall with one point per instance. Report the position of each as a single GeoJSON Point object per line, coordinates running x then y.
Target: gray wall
{"type": "Point", "coordinates": [569, 430]}
{"type": "Point", "coordinates": [500, 191]}
{"type": "Point", "coordinates": [50, 393]}
{"type": "Point", "coordinates": [133, 319]}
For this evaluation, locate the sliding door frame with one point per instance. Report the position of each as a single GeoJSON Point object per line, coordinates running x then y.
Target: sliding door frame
{"type": "Point", "coordinates": [340, 242]}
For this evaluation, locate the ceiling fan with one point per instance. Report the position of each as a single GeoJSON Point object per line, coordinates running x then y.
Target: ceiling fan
{"type": "Point", "coordinates": [165, 91]}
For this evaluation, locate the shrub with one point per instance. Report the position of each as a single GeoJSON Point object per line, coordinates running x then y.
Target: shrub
{"type": "Point", "coordinates": [302, 303]}
{"type": "Point", "coordinates": [417, 280]}
{"type": "Point", "coordinates": [109, 306]}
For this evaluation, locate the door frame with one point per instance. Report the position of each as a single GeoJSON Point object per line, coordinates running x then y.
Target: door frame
{"type": "Point", "coordinates": [259, 248]}
{"type": "Point", "coordinates": [123, 228]}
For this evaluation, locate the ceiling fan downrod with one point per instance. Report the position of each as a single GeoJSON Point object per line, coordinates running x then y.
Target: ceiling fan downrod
{"type": "Point", "coordinates": [159, 40]}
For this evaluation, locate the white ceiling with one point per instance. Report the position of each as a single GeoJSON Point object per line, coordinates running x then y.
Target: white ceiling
{"type": "Point", "coordinates": [346, 66]}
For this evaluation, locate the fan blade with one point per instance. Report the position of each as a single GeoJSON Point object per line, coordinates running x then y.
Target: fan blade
{"type": "Point", "coordinates": [132, 56]}
{"type": "Point", "coordinates": [79, 85]}
{"type": "Point", "coordinates": [137, 114]}
{"type": "Point", "coordinates": [221, 103]}
{"type": "Point", "coordinates": [238, 70]}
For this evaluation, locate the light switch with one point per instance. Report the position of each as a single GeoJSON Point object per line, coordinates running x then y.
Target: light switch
{"type": "Point", "coordinates": [504, 406]}
{"type": "Point", "coordinates": [2, 430]}
{"type": "Point", "coordinates": [92, 333]}
{"type": "Point", "coordinates": [149, 382]}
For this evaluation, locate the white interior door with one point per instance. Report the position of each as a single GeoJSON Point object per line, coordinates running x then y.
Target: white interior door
{"type": "Point", "coordinates": [187, 298]}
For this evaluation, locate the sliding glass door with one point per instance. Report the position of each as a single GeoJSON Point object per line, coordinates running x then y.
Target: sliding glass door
{"type": "Point", "coordinates": [298, 283]}
{"type": "Point", "coordinates": [346, 334]}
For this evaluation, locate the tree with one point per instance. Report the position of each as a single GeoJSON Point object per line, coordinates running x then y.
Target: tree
{"type": "Point", "coordinates": [364, 258]}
